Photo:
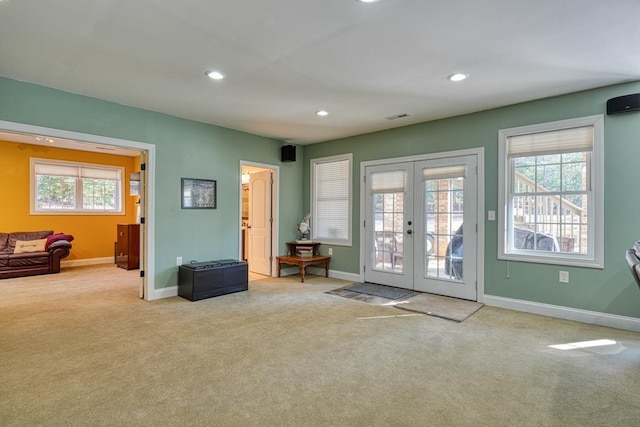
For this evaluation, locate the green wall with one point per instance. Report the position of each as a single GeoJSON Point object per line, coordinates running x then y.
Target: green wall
{"type": "Point", "coordinates": [608, 290]}
{"type": "Point", "coordinates": [189, 149]}
{"type": "Point", "coordinates": [183, 149]}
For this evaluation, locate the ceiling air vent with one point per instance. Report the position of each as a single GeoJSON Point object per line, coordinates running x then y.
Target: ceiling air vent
{"type": "Point", "coordinates": [397, 116]}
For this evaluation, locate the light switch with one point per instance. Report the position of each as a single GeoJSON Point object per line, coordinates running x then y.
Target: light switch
{"type": "Point", "coordinates": [492, 215]}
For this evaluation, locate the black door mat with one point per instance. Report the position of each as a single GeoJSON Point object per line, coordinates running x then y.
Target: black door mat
{"type": "Point", "coordinates": [379, 290]}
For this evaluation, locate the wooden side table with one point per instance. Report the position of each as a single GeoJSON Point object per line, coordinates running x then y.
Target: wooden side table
{"type": "Point", "coordinates": [303, 262]}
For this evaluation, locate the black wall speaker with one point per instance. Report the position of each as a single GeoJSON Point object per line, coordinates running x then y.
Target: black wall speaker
{"type": "Point", "coordinates": [288, 153]}
{"type": "Point", "coordinates": [622, 104]}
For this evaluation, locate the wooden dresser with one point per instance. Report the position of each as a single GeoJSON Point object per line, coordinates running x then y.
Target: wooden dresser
{"type": "Point", "coordinates": [128, 246]}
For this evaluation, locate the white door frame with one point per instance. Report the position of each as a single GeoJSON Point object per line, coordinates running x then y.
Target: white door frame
{"type": "Point", "coordinates": [275, 207]}
{"type": "Point", "coordinates": [148, 262]}
{"type": "Point", "coordinates": [479, 152]}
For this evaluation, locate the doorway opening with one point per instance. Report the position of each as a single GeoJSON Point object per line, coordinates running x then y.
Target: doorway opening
{"type": "Point", "coordinates": [258, 218]}
{"type": "Point", "coordinates": [23, 133]}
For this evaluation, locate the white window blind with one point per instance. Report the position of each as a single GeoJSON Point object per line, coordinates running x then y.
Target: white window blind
{"type": "Point", "coordinates": [76, 171]}
{"type": "Point", "coordinates": [388, 182]}
{"type": "Point", "coordinates": [99, 173]}
{"type": "Point", "coordinates": [444, 172]}
{"type": "Point", "coordinates": [331, 200]}
{"type": "Point", "coordinates": [554, 142]}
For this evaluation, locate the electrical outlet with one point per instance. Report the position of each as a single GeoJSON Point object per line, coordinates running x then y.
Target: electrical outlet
{"type": "Point", "coordinates": [492, 215]}
{"type": "Point", "coordinates": [330, 251]}
{"type": "Point", "coordinates": [179, 260]}
{"type": "Point", "coordinates": [563, 277]}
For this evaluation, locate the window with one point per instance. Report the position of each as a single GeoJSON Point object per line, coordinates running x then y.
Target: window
{"type": "Point", "coordinates": [66, 187]}
{"type": "Point", "coordinates": [551, 192]}
{"type": "Point", "coordinates": [331, 199]}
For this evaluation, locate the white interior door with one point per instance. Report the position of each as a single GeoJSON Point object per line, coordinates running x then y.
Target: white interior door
{"type": "Point", "coordinates": [414, 230]}
{"type": "Point", "coordinates": [260, 222]}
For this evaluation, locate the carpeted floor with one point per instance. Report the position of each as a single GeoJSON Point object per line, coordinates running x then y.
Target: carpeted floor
{"type": "Point", "coordinates": [80, 348]}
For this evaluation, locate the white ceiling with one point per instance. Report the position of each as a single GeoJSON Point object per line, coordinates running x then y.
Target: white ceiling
{"type": "Point", "coordinates": [286, 59]}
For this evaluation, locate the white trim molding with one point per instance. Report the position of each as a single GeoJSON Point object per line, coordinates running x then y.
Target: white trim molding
{"type": "Point", "coordinates": [319, 271]}
{"type": "Point", "coordinates": [275, 209]}
{"type": "Point", "coordinates": [313, 191]}
{"type": "Point", "coordinates": [168, 292]}
{"type": "Point", "coordinates": [567, 313]}
{"type": "Point", "coordinates": [480, 252]}
{"type": "Point", "coordinates": [594, 258]}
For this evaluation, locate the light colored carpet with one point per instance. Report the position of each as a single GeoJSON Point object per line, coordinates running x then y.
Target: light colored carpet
{"type": "Point", "coordinates": [256, 276]}
{"type": "Point", "coordinates": [79, 348]}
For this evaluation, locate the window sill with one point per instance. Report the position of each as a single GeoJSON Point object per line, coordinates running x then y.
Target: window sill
{"type": "Point", "coordinates": [563, 260]}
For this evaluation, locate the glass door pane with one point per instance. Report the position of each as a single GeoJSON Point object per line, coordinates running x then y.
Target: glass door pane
{"type": "Point", "coordinates": [388, 213]}
{"type": "Point", "coordinates": [443, 218]}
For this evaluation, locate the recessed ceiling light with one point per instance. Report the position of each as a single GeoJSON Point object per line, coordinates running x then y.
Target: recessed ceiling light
{"type": "Point", "coordinates": [368, 1]}
{"type": "Point", "coordinates": [215, 75]}
{"type": "Point", "coordinates": [322, 113]}
{"type": "Point", "coordinates": [457, 77]}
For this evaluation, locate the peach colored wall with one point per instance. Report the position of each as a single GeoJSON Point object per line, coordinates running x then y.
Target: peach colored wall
{"type": "Point", "coordinates": [94, 234]}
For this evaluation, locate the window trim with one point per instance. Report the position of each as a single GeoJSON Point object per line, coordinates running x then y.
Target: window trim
{"type": "Point", "coordinates": [33, 181]}
{"type": "Point", "coordinates": [313, 162]}
{"type": "Point", "coordinates": [595, 256]}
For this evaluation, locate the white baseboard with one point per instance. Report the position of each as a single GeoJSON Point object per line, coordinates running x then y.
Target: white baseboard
{"type": "Point", "coordinates": [335, 274]}
{"type": "Point", "coordinates": [87, 261]}
{"type": "Point", "coordinates": [289, 271]}
{"type": "Point", "coordinates": [319, 271]}
{"type": "Point", "coordinates": [172, 291]}
{"type": "Point", "coordinates": [168, 292]}
{"type": "Point", "coordinates": [567, 313]}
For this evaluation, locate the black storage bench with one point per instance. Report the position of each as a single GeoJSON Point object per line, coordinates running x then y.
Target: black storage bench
{"type": "Point", "coordinates": [208, 279]}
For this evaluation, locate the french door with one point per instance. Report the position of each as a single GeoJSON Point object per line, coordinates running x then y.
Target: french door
{"type": "Point", "coordinates": [420, 225]}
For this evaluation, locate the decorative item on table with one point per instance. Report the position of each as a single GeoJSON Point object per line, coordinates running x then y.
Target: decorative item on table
{"type": "Point", "coordinates": [304, 229]}
{"type": "Point", "coordinates": [304, 251]}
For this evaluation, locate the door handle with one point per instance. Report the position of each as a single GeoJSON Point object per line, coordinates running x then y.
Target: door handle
{"type": "Point", "coordinates": [409, 232]}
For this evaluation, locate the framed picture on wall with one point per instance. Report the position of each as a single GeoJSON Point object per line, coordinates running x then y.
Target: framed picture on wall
{"type": "Point", "coordinates": [198, 193]}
